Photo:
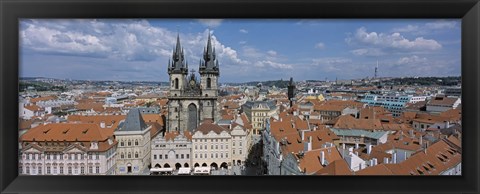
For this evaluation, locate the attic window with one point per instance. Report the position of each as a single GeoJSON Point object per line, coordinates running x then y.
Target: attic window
{"type": "Point", "coordinates": [431, 165]}
{"type": "Point", "coordinates": [426, 168]}
{"type": "Point", "coordinates": [441, 159]}
{"type": "Point", "coordinates": [85, 131]}
{"type": "Point", "coordinates": [419, 171]}
{"type": "Point", "coordinates": [444, 156]}
{"type": "Point", "coordinates": [46, 131]}
{"type": "Point", "coordinates": [66, 131]}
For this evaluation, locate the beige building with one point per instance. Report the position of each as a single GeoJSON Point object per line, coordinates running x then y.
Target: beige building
{"type": "Point", "coordinates": [211, 146]}
{"type": "Point", "coordinates": [67, 149]}
{"type": "Point", "coordinates": [134, 147]}
{"type": "Point", "coordinates": [172, 150]}
{"type": "Point", "coordinates": [258, 112]}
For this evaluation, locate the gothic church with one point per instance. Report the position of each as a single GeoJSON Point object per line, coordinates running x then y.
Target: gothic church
{"type": "Point", "coordinates": [191, 101]}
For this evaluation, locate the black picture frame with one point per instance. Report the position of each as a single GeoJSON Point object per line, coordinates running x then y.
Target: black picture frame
{"type": "Point", "coordinates": [13, 10]}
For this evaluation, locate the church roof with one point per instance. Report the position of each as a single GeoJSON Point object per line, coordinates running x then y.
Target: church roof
{"type": "Point", "coordinates": [133, 122]}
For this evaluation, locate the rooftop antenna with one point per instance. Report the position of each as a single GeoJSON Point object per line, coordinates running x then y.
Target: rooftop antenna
{"type": "Point", "coordinates": [376, 70]}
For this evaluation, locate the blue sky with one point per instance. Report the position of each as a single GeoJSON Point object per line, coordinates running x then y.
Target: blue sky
{"type": "Point", "coordinates": [247, 50]}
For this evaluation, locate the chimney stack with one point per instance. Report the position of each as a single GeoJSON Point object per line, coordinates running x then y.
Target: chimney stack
{"type": "Point", "coordinates": [385, 160]}
{"type": "Point", "coordinates": [102, 124]}
{"type": "Point", "coordinates": [369, 149]}
{"type": "Point", "coordinates": [322, 158]}
{"type": "Point", "coordinates": [394, 158]}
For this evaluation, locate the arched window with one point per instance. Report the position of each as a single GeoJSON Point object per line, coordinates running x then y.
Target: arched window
{"type": "Point", "coordinates": [176, 83]}
{"type": "Point", "coordinates": [136, 154]}
{"type": "Point", "coordinates": [129, 143]}
{"type": "Point", "coordinates": [129, 155]}
{"type": "Point", "coordinates": [122, 155]}
{"type": "Point", "coordinates": [122, 143]}
{"type": "Point", "coordinates": [209, 83]}
{"type": "Point", "coordinates": [136, 142]}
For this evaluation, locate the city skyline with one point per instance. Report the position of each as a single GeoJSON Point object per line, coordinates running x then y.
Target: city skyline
{"type": "Point", "coordinates": [247, 50]}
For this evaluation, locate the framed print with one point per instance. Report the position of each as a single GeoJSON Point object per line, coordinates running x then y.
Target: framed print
{"type": "Point", "coordinates": [223, 96]}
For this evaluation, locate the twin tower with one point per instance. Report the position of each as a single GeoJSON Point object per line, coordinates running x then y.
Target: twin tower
{"type": "Point", "coordinates": [192, 101]}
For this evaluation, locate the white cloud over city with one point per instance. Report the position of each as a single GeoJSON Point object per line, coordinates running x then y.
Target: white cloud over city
{"type": "Point", "coordinates": [140, 49]}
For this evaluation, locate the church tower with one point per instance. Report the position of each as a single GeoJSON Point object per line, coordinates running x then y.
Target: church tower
{"type": "Point", "coordinates": [208, 69]}
{"type": "Point", "coordinates": [178, 70]}
{"type": "Point", "coordinates": [192, 101]}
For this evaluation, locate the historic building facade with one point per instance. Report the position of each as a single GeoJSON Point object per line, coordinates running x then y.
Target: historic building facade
{"type": "Point", "coordinates": [133, 150]}
{"type": "Point", "coordinates": [67, 149]}
{"type": "Point", "coordinates": [190, 100]}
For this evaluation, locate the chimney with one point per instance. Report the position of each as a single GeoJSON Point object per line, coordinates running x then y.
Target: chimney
{"type": "Point", "coordinates": [350, 151]}
{"type": "Point", "coordinates": [369, 149]}
{"type": "Point", "coordinates": [385, 160]}
{"type": "Point", "coordinates": [322, 158]}
{"type": "Point", "coordinates": [421, 141]}
{"type": "Point", "coordinates": [102, 124]}
{"type": "Point", "coordinates": [447, 124]}
{"type": "Point", "coordinates": [394, 158]}
{"type": "Point", "coordinates": [411, 133]}
{"type": "Point", "coordinates": [310, 139]}
{"type": "Point", "coordinates": [356, 146]}
{"type": "Point", "coordinates": [302, 133]}
{"type": "Point", "coordinates": [375, 162]}
{"type": "Point", "coordinates": [343, 146]}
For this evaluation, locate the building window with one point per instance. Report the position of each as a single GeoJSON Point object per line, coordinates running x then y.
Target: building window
{"type": "Point", "coordinates": [97, 156]}
{"type": "Point", "coordinates": [90, 156]}
{"type": "Point", "coordinates": [122, 144]}
{"type": "Point", "coordinates": [196, 147]}
{"type": "Point", "coordinates": [211, 155]}
{"type": "Point", "coordinates": [136, 142]}
{"type": "Point", "coordinates": [166, 156]}
{"type": "Point", "coordinates": [233, 143]}
{"type": "Point", "coordinates": [226, 155]}
{"type": "Point", "coordinates": [48, 156]}
{"type": "Point", "coordinates": [129, 155]}
{"type": "Point", "coordinates": [48, 169]}
{"type": "Point", "coordinates": [216, 147]}
{"type": "Point", "coordinates": [40, 170]}
{"type": "Point", "coordinates": [61, 169]}
{"type": "Point", "coordinates": [122, 155]}
{"type": "Point", "coordinates": [209, 83]}
{"type": "Point", "coordinates": [205, 155]}
{"type": "Point", "coordinates": [82, 170]}
{"type": "Point", "coordinates": [129, 143]}
{"type": "Point", "coordinates": [221, 155]}
{"type": "Point", "coordinates": [90, 169]}
{"type": "Point", "coordinates": [216, 155]}
{"type": "Point", "coordinates": [188, 156]}
{"type": "Point", "coordinates": [181, 156]}
{"type": "Point", "coordinates": [160, 156]}
{"type": "Point", "coordinates": [240, 151]}
{"type": "Point", "coordinates": [240, 143]}
{"type": "Point", "coordinates": [200, 155]}
{"type": "Point", "coordinates": [136, 154]}
{"type": "Point", "coordinates": [69, 170]}
{"type": "Point", "coordinates": [233, 151]}
{"type": "Point", "coordinates": [211, 147]}
{"type": "Point", "coordinates": [97, 169]}
{"type": "Point", "coordinates": [27, 170]}
{"type": "Point", "coordinates": [176, 83]}
{"type": "Point", "coordinates": [154, 157]}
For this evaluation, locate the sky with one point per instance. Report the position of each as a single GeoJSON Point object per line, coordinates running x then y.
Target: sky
{"type": "Point", "coordinates": [247, 50]}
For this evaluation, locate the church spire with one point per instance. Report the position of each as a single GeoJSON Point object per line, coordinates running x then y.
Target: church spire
{"type": "Point", "coordinates": [178, 59]}
{"type": "Point", "coordinates": [210, 64]}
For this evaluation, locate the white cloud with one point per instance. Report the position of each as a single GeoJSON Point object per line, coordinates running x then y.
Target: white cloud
{"type": "Point", "coordinates": [272, 53]}
{"type": "Point", "coordinates": [372, 52]}
{"type": "Point", "coordinates": [441, 24]}
{"type": "Point", "coordinates": [320, 45]}
{"type": "Point", "coordinates": [242, 42]}
{"type": "Point", "coordinates": [394, 41]}
{"type": "Point", "coordinates": [212, 23]}
{"type": "Point", "coordinates": [243, 31]}
{"type": "Point", "coordinates": [412, 60]}
{"type": "Point", "coordinates": [408, 28]}
{"type": "Point", "coordinates": [272, 64]}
